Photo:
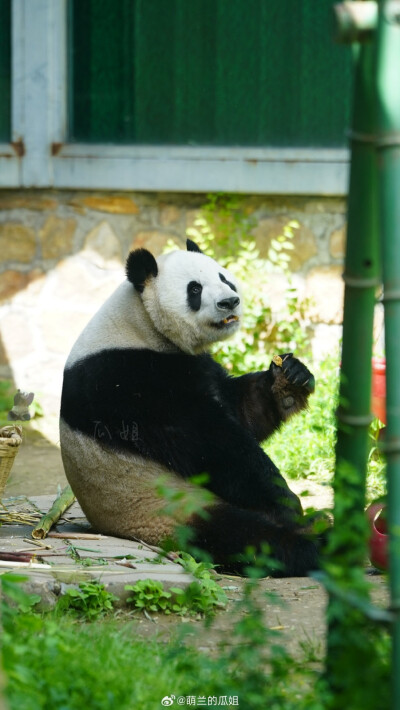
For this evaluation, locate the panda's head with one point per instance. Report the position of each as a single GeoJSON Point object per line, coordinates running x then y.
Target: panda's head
{"type": "Point", "coordinates": [190, 299]}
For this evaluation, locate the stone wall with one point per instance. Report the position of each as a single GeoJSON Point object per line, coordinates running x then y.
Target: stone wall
{"type": "Point", "coordinates": [62, 254]}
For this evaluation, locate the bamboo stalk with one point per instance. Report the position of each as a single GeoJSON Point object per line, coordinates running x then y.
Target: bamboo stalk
{"type": "Point", "coordinates": [60, 505]}
{"type": "Point", "coordinates": [388, 145]}
{"type": "Point", "coordinates": [362, 277]}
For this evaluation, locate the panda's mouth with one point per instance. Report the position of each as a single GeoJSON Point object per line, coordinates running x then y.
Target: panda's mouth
{"type": "Point", "coordinates": [226, 322]}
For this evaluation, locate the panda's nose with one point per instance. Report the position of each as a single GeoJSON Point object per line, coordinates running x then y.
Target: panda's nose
{"type": "Point", "coordinates": [228, 304]}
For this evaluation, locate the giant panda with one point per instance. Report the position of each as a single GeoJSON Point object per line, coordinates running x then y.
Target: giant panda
{"type": "Point", "coordinates": [142, 399]}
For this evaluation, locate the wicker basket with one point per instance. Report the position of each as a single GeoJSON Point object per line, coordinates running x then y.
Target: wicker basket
{"type": "Point", "coordinates": [10, 440]}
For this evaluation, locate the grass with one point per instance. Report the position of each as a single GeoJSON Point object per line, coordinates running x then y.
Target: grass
{"type": "Point", "coordinates": [64, 663]}
{"type": "Point", "coordinates": [60, 662]}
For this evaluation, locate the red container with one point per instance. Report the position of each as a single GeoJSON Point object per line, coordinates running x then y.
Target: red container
{"type": "Point", "coordinates": [378, 541]}
{"type": "Point", "coordinates": [379, 388]}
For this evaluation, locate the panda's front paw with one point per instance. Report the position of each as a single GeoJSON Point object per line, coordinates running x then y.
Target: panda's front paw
{"type": "Point", "coordinates": [293, 371]}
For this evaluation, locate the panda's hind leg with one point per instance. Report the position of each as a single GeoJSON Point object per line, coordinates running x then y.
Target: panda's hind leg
{"type": "Point", "coordinates": [227, 532]}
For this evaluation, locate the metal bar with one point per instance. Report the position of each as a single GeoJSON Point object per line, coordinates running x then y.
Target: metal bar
{"type": "Point", "coordinates": [388, 127]}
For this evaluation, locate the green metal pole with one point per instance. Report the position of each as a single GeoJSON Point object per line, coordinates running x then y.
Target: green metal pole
{"type": "Point", "coordinates": [388, 144]}
{"type": "Point", "coordinates": [348, 546]}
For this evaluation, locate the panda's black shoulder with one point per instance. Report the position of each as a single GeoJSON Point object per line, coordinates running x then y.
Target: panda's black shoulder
{"type": "Point", "coordinates": [143, 383]}
{"type": "Point", "coordinates": [143, 370]}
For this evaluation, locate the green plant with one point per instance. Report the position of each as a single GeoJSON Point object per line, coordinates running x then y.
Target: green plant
{"type": "Point", "coordinates": [202, 596]}
{"type": "Point", "coordinates": [376, 463]}
{"type": "Point", "coordinates": [21, 601]}
{"type": "Point", "coordinates": [149, 595]}
{"type": "Point", "coordinates": [90, 600]}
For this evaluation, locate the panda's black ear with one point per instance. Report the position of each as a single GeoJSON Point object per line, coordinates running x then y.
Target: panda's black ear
{"type": "Point", "coordinates": [192, 246]}
{"type": "Point", "coordinates": [140, 264]}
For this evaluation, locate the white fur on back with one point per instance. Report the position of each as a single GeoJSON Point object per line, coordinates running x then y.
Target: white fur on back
{"type": "Point", "coordinates": [122, 322]}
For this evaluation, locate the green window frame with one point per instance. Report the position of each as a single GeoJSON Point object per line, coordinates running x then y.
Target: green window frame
{"type": "Point", "coordinates": [251, 73]}
{"type": "Point", "coordinates": [5, 70]}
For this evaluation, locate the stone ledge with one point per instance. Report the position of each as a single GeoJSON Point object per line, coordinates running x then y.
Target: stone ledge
{"type": "Point", "coordinates": [62, 571]}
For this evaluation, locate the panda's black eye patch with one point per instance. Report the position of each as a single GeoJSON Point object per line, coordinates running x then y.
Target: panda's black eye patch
{"type": "Point", "coordinates": [194, 290]}
{"type": "Point", "coordinates": [228, 283]}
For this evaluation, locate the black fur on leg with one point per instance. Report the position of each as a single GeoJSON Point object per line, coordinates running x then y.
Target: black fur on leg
{"type": "Point", "coordinates": [226, 532]}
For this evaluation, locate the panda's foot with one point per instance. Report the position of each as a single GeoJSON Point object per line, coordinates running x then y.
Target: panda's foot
{"type": "Point", "coordinates": [239, 539]}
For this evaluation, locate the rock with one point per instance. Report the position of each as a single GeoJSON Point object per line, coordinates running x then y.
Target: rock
{"type": "Point", "coordinates": [26, 200]}
{"type": "Point", "coordinates": [337, 243]}
{"type": "Point", "coordinates": [17, 243]}
{"type": "Point", "coordinates": [103, 242]}
{"type": "Point", "coordinates": [154, 241]}
{"type": "Point", "coordinates": [326, 341]}
{"type": "Point", "coordinates": [75, 284]}
{"type": "Point", "coordinates": [12, 281]}
{"type": "Point", "coordinates": [114, 204]}
{"type": "Point", "coordinates": [325, 205]}
{"type": "Point", "coordinates": [16, 335]}
{"type": "Point", "coordinates": [325, 289]}
{"type": "Point", "coordinates": [169, 214]}
{"type": "Point", "coordinates": [57, 237]}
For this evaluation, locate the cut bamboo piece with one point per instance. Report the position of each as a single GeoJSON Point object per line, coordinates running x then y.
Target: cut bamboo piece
{"type": "Point", "coordinates": [26, 565]}
{"type": "Point", "coordinates": [60, 505]}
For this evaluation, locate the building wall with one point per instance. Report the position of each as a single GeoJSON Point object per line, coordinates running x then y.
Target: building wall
{"type": "Point", "coordinates": [62, 254]}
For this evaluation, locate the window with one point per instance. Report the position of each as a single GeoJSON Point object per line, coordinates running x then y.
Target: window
{"type": "Point", "coordinates": [184, 95]}
{"type": "Point", "coordinates": [207, 72]}
{"type": "Point", "coordinates": [5, 70]}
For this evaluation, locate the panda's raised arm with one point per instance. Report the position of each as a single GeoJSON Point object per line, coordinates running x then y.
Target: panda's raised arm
{"type": "Point", "coordinates": [264, 400]}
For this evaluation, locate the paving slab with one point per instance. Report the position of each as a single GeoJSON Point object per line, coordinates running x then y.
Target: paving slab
{"type": "Point", "coordinates": [57, 563]}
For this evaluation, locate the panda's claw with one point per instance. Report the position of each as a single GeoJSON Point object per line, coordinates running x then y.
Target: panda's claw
{"type": "Point", "coordinates": [295, 372]}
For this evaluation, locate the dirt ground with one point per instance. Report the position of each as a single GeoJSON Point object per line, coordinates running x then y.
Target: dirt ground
{"type": "Point", "coordinates": [294, 606]}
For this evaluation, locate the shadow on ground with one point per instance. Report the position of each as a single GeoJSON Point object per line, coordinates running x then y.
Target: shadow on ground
{"type": "Point", "coordinates": [37, 468]}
